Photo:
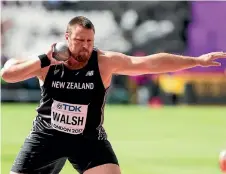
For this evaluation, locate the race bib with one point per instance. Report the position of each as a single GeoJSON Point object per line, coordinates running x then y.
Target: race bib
{"type": "Point", "coordinates": [68, 118]}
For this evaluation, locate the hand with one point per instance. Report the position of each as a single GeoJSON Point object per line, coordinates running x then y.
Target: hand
{"type": "Point", "coordinates": [50, 56]}
{"type": "Point", "coordinates": [209, 59]}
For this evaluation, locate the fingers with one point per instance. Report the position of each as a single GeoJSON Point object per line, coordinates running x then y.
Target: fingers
{"type": "Point", "coordinates": [50, 53]}
{"type": "Point", "coordinates": [51, 56]}
{"type": "Point", "coordinates": [52, 46]}
{"type": "Point", "coordinates": [215, 64]}
{"type": "Point", "coordinates": [217, 55]}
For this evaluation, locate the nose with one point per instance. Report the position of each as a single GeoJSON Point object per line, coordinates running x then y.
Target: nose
{"type": "Point", "coordinates": [85, 45]}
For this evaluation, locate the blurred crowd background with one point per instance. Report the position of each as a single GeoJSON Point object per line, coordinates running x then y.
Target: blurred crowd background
{"type": "Point", "coordinates": [134, 28]}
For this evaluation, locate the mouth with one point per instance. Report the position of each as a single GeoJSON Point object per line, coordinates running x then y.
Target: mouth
{"type": "Point", "coordinates": [79, 59]}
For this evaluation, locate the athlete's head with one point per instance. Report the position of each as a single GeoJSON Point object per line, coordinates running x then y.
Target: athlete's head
{"type": "Point", "coordinates": [80, 37]}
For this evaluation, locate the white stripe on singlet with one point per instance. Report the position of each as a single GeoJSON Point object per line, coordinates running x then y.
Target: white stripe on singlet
{"type": "Point", "coordinates": [100, 128]}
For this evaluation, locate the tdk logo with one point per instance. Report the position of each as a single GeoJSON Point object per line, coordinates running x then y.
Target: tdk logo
{"type": "Point", "coordinates": [71, 108]}
{"type": "Point", "coordinates": [59, 106]}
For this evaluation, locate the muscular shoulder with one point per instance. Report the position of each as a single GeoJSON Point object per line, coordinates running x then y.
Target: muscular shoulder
{"type": "Point", "coordinates": [110, 55]}
{"type": "Point", "coordinates": [110, 60]}
{"type": "Point", "coordinates": [119, 63]}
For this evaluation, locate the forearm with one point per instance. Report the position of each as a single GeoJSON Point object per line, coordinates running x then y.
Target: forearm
{"type": "Point", "coordinates": [164, 62]}
{"type": "Point", "coordinates": [16, 69]}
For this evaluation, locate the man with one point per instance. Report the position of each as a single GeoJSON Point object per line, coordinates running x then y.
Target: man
{"type": "Point", "coordinates": [71, 112]}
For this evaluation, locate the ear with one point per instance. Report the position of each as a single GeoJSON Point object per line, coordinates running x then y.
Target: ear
{"type": "Point", "coordinates": [66, 36]}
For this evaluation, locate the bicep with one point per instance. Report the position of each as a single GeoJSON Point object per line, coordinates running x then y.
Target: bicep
{"type": "Point", "coordinates": [130, 65]}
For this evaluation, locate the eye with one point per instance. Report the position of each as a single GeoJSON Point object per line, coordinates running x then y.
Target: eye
{"type": "Point", "coordinates": [79, 40]}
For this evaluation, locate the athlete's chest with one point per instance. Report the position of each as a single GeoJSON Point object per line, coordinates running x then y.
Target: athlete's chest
{"type": "Point", "coordinates": [76, 81]}
{"type": "Point", "coordinates": [70, 86]}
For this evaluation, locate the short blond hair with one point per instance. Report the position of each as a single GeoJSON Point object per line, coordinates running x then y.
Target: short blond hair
{"type": "Point", "coordinates": [80, 20]}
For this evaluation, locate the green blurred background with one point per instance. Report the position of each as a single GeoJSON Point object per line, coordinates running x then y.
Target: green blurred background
{"type": "Point", "coordinates": [172, 140]}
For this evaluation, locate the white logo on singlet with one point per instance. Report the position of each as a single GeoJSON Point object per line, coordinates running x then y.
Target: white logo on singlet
{"type": "Point", "coordinates": [90, 73]}
{"type": "Point", "coordinates": [72, 85]}
{"type": "Point", "coordinates": [56, 71]}
{"type": "Point", "coordinates": [68, 118]}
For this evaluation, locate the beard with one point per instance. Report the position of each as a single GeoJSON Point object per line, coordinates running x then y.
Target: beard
{"type": "Point", "coordinates": [79, 60]}
{"type": "Point", "coordinates": [82, 56]}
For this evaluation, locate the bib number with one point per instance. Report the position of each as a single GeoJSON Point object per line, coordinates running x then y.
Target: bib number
{"type": "Point", "coordinates": [68, 118]}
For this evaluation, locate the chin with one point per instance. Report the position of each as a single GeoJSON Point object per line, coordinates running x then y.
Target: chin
{"type": "Point", "coordinates": [81, 58]}
{"type": "Point", "coordinates": [85, 59]}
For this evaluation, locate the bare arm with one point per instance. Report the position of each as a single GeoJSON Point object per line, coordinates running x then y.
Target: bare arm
{"type": "Point", "coordinates": [16, 70]}
{"type": "Point", "coordinates": [157, 63]}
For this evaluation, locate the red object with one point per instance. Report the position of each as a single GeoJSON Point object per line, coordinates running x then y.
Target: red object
{"type": "Point", "coordinates": [155, 102]}
{"type": "Point", "coordinates": [222, 161]}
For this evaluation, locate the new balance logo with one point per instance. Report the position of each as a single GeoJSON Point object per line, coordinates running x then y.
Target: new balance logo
{"type": "Point", "coordinates": [90, 73]}
{"type": "Point", "coordinates": [56, 71]}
